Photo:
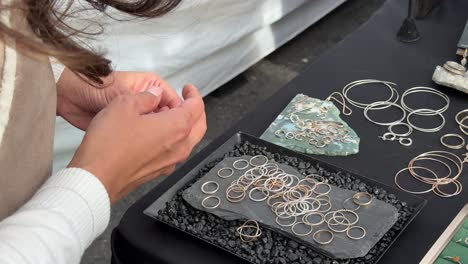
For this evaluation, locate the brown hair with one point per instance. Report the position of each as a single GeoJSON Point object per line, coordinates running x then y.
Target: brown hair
{"type": "Point", "coordinates": [59, 40]}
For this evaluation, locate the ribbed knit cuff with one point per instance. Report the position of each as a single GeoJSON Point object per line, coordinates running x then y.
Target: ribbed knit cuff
{"type": "Point", "coordinates": [81, 197]}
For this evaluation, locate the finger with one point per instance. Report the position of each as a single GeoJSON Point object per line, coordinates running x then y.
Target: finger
{"type": "Point", "coordinates": [170, 98]}
{"type": "Point", "coordinates": [162, 109]}
{"type": "Point", "coordinates": [198, 131]}
{"type": "Point", "coordinates": [148, 101]}
{"type": "Point", "coordinates": [193, 106]}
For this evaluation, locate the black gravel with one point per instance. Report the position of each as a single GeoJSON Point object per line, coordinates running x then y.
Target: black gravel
{"type": "Point", "coordinates": [273, 247]}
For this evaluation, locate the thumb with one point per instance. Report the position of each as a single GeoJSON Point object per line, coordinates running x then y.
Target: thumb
{"type": "Point", "coordinates": [146, 102]}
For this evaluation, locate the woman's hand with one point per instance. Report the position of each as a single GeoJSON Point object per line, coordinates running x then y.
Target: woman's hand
{"type": "Point", "coordinates": [127, 144]}
{"type": "Point", "coordinates": [78, 102]}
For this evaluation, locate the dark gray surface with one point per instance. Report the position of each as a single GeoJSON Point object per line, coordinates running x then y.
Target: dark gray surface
{"type": "Point", "coordinates": [377, 218]}
{"type": "Point", "coordinates": [236, 98]}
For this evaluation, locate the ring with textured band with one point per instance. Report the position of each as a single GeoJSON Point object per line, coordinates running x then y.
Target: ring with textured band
{"type": "Point", "coordinates": [301, 234]}
{"type": "Point", "coordinates": [459, 146]}
{"type": "Point", "coordinates": [224, 176]}
{"type": "Point", "coordinates": [236, 166]}
{"type": "Point", "coordinates": [348, 232]}
{"type": "Point", "coordinates": [359, 195]}
{"type": "Point", "coordinates": [251, 161]}
{"type": "Point", "coordinates": [318, 234]}
{"type": "Point", "coordinates": [213, 206]}
{"type": "Point", "coordinates": [204, 185]}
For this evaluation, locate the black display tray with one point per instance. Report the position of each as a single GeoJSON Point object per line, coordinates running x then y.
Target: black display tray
{"type": "Point", "coordinates": [414, 202]}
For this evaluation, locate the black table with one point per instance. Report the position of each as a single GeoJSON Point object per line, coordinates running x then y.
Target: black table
{"type": "Point", "coordinates": [370, 52]}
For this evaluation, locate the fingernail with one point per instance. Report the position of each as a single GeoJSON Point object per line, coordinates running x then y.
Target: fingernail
{"type": "Point", "coordinates": [155, 90]}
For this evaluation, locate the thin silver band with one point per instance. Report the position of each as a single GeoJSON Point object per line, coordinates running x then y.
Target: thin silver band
{"type": "Point", "coordinates": [416, 112]}
{"type": "Point", "coordinates": [422, 89]}
{"type": "Point", "coordinates": [358, 237]}
{"type": "Point", "coordinates": [375, 105]}
{"type": "Point", "coordinates": [211, 197]}
{"type": "Point", "coordinates": [235, 164]}
{"type": "Point", "coordinates": [459, 146]}
{"type": "Point", "coordinates": [203, 187]}
{"type": "Point", "coordinates": [231, 172]}
{"type": "Point", "coordinates": [319, 232]}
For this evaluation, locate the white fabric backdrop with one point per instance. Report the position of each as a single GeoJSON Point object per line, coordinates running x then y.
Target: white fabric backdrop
{"type": "Point", "coordinates": [204, 42]}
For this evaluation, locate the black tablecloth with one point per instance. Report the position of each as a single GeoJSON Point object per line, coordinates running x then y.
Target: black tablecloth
{"type": "Point", "coordinates": [370, 52]}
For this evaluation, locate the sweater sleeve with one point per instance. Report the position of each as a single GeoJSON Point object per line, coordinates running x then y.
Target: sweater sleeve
{"type": "Point", "coordinates": [61, 220]}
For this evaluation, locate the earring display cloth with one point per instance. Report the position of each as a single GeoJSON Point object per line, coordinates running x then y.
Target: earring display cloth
{"type": "Point", "coordinates": [301, 101]}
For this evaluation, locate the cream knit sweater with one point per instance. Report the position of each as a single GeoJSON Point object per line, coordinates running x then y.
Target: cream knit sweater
{"type": "Point", "coordinates": [43, 219]}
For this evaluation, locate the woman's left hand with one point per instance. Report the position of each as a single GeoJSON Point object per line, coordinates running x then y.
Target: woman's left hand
{"type": "Point", "coordinates": [78, 102]}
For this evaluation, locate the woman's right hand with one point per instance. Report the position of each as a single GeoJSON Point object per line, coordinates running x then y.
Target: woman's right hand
{"type": "Point", "coordinates": [127, 144]}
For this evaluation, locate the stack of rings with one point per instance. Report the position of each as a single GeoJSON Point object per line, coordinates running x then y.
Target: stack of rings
{"type": "Point", "coordinates": [425, 111]}
{"type": "Point", "coordinates": [357, 198]}
{"type": "Point", "coordinates": [392, 99]}
{"type": "Point", "coordinates": [442, 157]}
{"type": "Point", "coordinates": [357, 201]}
{"type": "Point", "coordinates": [461, 117]}
{"type": "Point", "coordinates": [249, 231]}
{"type": "Point", "coordinates": [380, 105]}
{"type": "Point", "coordinates": [459, 146]}
{"type": "Point", "coordinates": [299, 204]}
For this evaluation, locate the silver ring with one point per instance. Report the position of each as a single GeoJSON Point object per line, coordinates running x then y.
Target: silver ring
{"type": "Point", "coordinates": [320, 193]}
{"type": "Point", "coordinates": [330, 224]}
{"type": "Point", "coordinates": [355, 209]}
{"type": "Point", "coordinates": [463, 129]}
{"type": "Point", "coordinates": [405, 141]}
{"type": "Point", "coordinates": [203, 189]}
{"type": "Point", "coordinates": [410, 129]}
{"type": "Point", "coordinates": [211, 197]}
{"type": "Point", "coordinates": [358, 195]}
{"type": "Point", "coordinates": [425, 111]}
{"type": "Point", "coordinates": [286, 225]}
{"type": "Point", "coordinates": [240, 167]}
{"type": "Point", "coordinates": [461, 145]}
{"type": "Point", "coordinates": [356, 227]}
{"type": "Point", "coordinates": [349, 86]}
{"type": "Point", "coordinates": [305, 218]}
{"type": "Point", "coordinates": [461, 121]}
{"type": "Point", "coordinates": [301, 234]}
{"type": "Point", "coordinates": [319, 232]}
{"type": "Point", "coordinates": [342, 212]}
{"type": "Point", "coordinates": [388, 104]}
{"type": "Point", "coordinates": [257, 157]}
{"type": "Point", "coordinates": [262, 190]}
{"type": "Point", "coordinates": [225, 176]}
